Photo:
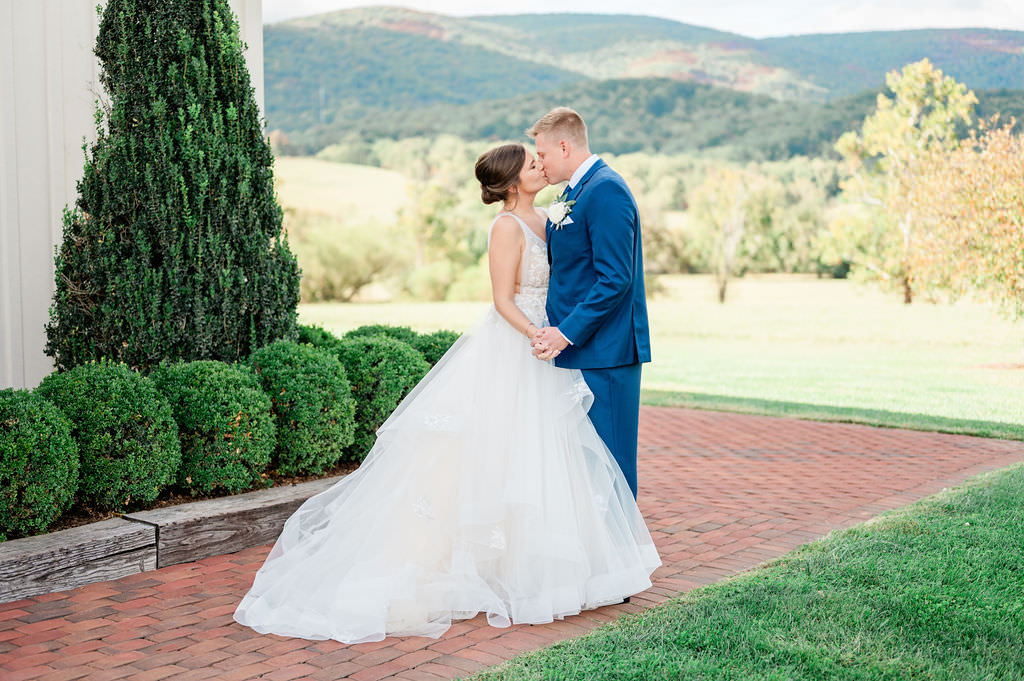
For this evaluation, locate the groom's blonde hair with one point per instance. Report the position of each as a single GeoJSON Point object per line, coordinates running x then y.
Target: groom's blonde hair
{"type": "Point", "coordinates": [562, 121]}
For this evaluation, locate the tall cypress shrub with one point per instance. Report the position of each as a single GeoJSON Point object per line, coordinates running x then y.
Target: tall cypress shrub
{"type": "Point", "coordinates": [174, 248]}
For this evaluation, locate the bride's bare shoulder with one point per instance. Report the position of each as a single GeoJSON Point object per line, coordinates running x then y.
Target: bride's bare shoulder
{"type": "Point", "coordinates": [505, 229]}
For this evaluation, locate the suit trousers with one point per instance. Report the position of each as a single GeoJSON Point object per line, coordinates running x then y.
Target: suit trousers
{"type": "Point", "coordinates": [616, 413]}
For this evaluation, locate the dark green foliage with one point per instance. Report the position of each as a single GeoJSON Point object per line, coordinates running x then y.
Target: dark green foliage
{"type": "Point", "coordinates": [383, 48]}
{"type": "Point", "coordinates": [382, 371]}
{"type": "Point", "coordinates": [382, 94]}
{"type": "Point", "coordinates": [399, 333]}
{"type": "Point", "coordinates": [312, 403]}
{"type": "Point", "coordinates": [318, 337]}
{"type": "Point", "coordinates": [649, 115]}
{"type": "Point", "coordinates": [175, 248]}
{"type": "Point", "coordinates": [225, 424]}
{"type": "Point", "coordinates": [127, 438]}
{"type": "Point", "coordinates": [1006, 104]}
{"type": "Point", "coordinates": [321, 73]}
{"type": "Point", "coordinates": [38, 464]}
{"type": "Point", "coordinates": [433, 345]}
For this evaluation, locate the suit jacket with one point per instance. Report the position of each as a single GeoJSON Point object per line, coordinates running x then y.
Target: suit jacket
{"type": "Point", "coordinates": [596, 291]}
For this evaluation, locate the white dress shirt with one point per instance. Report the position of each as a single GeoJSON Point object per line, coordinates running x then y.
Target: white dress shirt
{"type": "Point", "coordinates": [583, 170]}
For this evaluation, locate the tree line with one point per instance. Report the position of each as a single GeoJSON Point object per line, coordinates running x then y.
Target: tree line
{"type": "Point", "coordinates": [656, 116]}
{"type": "Point", "coordinates": [923, 196]}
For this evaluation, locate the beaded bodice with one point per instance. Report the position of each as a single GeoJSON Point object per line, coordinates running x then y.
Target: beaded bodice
{"type": "Point", "coordinates": [533, 275]}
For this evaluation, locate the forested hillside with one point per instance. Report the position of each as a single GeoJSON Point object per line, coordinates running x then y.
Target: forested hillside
{"type": "Point", "coordinates": [318, 74]}
{"type": "Point", "coordinates": [644, 83]}
{"type": "Point", "coordinates": [651, 115]}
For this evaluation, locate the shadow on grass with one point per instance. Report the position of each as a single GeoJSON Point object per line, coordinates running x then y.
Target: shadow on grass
{"type": "Point", "coordinates": [824, 412]}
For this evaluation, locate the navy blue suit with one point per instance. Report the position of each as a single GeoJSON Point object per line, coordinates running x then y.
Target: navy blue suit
{"type": "Point", "coordinates": [596, 299]}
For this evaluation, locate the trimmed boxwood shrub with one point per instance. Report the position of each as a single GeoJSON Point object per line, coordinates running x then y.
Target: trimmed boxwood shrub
{"type": "Point", "coordinates": [38, 464]}
{"type": "Point", "coordinates": [399, 333]}
{"type": "Point", "coordinates": [318, 337]}
{"type": "Point", "coordinates": [312, 404]}
{"type": "Point", "coordinates": [127, 438]}
{"type": "Point", "coordinates": [434, 345]}
{"type": "Point", "coordinates": [225, 424]}
{"type": "Point", "coordinates": [382, 371]}
{"type": "Point", "coordinates": [174, 248]}
{"type": "Point", "coordinates": [431, 345]}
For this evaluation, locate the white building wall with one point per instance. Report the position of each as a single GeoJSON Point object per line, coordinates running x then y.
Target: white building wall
{"type": "Point", "coordinates": [48, 85]}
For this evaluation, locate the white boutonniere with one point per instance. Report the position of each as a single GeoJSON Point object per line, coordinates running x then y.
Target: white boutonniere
{"type": "Point", "coordinates": [558, 213]}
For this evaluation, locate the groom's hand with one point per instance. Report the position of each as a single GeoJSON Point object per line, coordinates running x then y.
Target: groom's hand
{"type": "Point", "coordinates": [548, 343]}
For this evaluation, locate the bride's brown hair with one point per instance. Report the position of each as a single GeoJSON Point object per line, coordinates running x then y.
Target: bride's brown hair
{"type": "Point", "coordinates": [498, 170]}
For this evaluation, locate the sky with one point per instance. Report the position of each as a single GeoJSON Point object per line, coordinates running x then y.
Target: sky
{"type": "Point", "coordinates": [754, 18]}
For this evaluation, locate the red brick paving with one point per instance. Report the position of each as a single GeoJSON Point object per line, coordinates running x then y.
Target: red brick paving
{"type": "Point", "coordinates": [721, 494]}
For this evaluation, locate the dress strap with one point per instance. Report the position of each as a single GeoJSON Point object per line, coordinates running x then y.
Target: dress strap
{"type": "Point", "coordinates": [522, 225]}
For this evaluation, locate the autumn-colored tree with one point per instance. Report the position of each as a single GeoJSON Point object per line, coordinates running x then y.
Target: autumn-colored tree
{"type": "Point", "coordinates": [971, 203]}
{"type": "Point", "coordinates": [924, 115]}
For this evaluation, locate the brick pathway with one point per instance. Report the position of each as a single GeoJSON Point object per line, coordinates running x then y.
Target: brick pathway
{"type": "Point", "coordinates": [721, 493]}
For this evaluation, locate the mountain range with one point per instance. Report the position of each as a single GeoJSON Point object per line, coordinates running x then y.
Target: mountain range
{"type": "Point", "coordinates": [386, 71]}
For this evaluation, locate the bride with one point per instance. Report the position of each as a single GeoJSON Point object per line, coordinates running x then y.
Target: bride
{"type": "Point", "coordinates": [487, 490]}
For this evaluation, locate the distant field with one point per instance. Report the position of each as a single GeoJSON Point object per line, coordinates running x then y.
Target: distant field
{"type": "Point", "coordinates": [798, 345]}
{"type": "Point", "coordinates": [340, 189]}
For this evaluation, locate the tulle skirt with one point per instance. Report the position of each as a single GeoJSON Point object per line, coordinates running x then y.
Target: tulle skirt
{"type": "Point", "coordinates": [488, 490]}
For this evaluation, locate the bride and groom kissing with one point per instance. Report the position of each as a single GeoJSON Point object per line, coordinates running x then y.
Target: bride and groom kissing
{"type": "Point", "coordinates": [505, 482]}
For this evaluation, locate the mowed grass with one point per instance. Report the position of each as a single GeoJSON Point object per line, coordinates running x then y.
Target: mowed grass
{"type": "Point", "coordinates": [932, 591]}
{"type": "Point", "coordinates": [346, 191]}
{"type": "Point", "coordinates": [799, 346]}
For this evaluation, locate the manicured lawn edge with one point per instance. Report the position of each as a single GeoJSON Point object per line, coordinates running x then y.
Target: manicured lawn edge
{"type": "Point", "coordinates": [821, 412]}
{"type": "Point", "coordinates": [931, 591]}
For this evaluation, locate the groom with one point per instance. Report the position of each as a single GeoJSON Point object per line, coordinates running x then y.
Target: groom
{"type": "Point", "coordinates": [596, 303]}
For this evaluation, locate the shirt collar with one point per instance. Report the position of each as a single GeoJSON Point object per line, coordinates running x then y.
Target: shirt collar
{"type": "Point", "coordinates": [582, 170]}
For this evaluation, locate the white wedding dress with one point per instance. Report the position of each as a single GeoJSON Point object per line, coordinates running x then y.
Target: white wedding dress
{"type": "Point", "coordinates": [488, 490]}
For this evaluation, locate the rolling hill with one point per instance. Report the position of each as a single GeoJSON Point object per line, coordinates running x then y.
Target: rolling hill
{"type": "Point", "coordinates": [984, 59]}
{"type": "Point", "coordinates": [392, 72]}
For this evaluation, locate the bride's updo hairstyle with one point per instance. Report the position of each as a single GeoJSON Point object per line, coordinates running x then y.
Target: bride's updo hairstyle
{"type": "Point", "coordinates": [498, 170]}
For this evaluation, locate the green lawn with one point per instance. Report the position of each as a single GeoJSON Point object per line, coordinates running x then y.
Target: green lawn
{"type": "Point", "coordinates": [933, 591]}
{"type": "Point", "coordinates": [825, 349]}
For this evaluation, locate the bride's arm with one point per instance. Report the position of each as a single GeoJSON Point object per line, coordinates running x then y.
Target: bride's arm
{"type": "Point", "coordinates": [504, 256]}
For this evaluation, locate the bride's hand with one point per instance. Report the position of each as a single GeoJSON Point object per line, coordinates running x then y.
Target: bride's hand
{"type": "Point", "coordinates": [540, 349]}
{"type": "Point", "coordinates": [543, 352]}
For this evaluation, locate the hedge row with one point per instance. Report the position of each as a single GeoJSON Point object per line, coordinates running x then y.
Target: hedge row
{"type": "Point", "coordinates": [111, 438]}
